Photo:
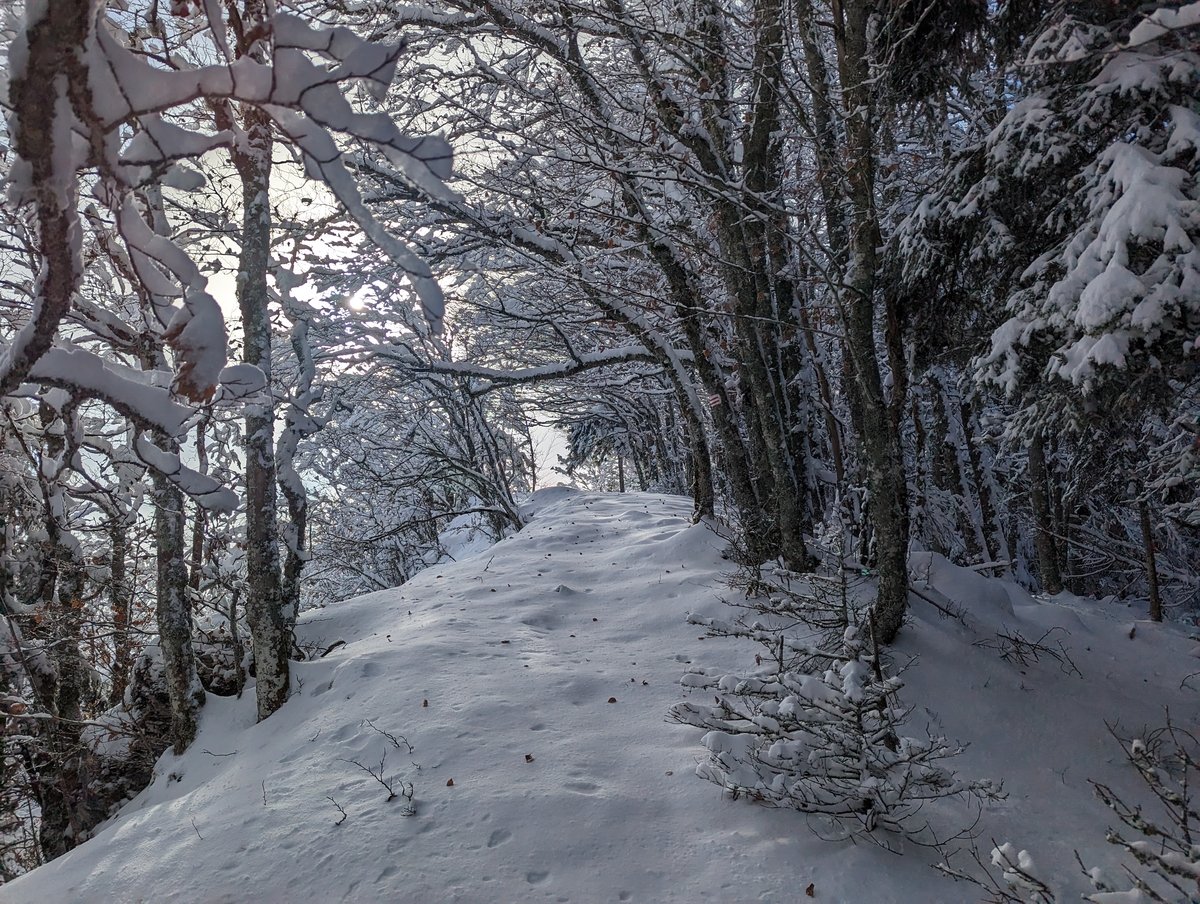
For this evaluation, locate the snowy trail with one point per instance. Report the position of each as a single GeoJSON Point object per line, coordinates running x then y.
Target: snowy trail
{"type": "Point", "coordinates": [532, 786]}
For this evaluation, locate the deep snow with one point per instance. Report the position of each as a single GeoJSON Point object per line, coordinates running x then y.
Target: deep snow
{"type": "Point", "coordinates": [530, 785]}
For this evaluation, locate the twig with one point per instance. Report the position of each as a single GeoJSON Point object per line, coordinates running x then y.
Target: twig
{"type": "Point", "coordinates": [1015, 648]}
{"type": "Point", "coordinates": [397, 742]}
{"type": "Point", "coordinates": [946, 611]}
{"type": "Point", "coordinates": [389, 785]}
{"type": "Point", "coordinates": [344, 815]}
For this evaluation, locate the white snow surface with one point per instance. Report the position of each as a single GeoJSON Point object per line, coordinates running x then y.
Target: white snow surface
{"type": "Point", "coordinates": [518, 649]}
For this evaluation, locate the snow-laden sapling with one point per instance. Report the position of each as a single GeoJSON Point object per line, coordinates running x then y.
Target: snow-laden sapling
{"type": "Point", "coordinates": [1166, 847]}
{"type": "Point", "coordinates": [818, 727]}
{"type": "Point", "coordinates": [1009, 877]}
{"type": "Point", "coordinates": [1165, 850]}
{"type": "Point", "coordinates": [1019, 650]}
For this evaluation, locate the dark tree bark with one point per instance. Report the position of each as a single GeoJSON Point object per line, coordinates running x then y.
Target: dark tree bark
{"type": "Point", "coordinates": [1043, 521]}
{"type": "Point", "coordinates": [60, 773]}
{"type": "Point", "coordinates": [174, 611]}
{"type": "Point", "coordinates": [877, 419]}
{"type": "Point", "coordinates": [120, 597]}
{"type": "Point", "coordinates": [1151, 565]}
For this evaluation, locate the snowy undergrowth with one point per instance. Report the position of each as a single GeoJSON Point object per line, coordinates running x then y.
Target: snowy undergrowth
{"type": "Point", "coordinates": [529, 785]}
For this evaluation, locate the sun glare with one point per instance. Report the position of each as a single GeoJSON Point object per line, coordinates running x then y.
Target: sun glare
{"type": "Point", "coordinates": [358, 300]}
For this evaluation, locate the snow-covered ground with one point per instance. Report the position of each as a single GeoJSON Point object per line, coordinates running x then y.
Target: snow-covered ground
{"type": "Point", "coordinates": [532, 681]}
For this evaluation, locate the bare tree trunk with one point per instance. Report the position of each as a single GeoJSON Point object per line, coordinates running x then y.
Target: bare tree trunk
{"type": "Point", "coordinates": [1061, 514]}
{"type": "Point", "coordinates": [196, 562]}
{"type": "Point", "coordinates": [1043, 530]}
{"type": "Point", "coordinates": [732, 450]}
{"type": "Point", "coordinates": [264, 598]}
{"type": "Point", "coordinates": [1151, 565]}
{"type": "Point", "coordinates": [833, 428]}
{"type": "Point", "coordinates": [174, 610]}
{"type": "Point", "coordinates": [270, 633]}
{"type": "Point", "coordinates": [297, 550]}
{"type": "Point", "coordinates": [992, 529]}
{"type": "Point", "coordinates": [270, 629]}
{"type": "Point", "coordinates": [173, 607]}
{"type": "Point", "coordinates": [120, 599]}
{"type": "Point", "coordinates": [877, 421]}
{"type": "Point", "coordinates": [60, 769]}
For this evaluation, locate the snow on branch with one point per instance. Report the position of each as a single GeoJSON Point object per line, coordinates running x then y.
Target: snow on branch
{"type": "Point", "coordinates": [68, 117]}
{"type": "Point", "coordinates": [556, 371]}
{"type": "Point", "coordinates": [87, 375]}
{"type": "Point", "coordinates": [207, 491]}
{"type": "Point", "coordinates": [83, 374]}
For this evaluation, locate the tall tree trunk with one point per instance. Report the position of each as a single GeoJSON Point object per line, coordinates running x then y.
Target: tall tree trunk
{"type": "Point", "coordinates": [734, 458]}
{"type": "Point", "coordinates": [120, 599]}
{"type": "Point", "coordinates": [877, 420]}
{"type": "Point", "coordinates": [994, 539]}
{"type": "Point", "coordinates": [1043, 522]}
{"type": "Point", "coordinates": [173, 607]}
{"type": "Point", "coordinates": [174, 611]}
{"type": "Point", "coordinates": [749, 271]}
{"type": "Point", "coordinates": [269, 629]}
{"type": "Point", "coordinates": [60, 774]}
{"type": "Point", "coordinates": [1151, 565]}
{"type": "Point", "coordinates": [264, 598]}
{"type": "Point", "coordinates": [196, 559]}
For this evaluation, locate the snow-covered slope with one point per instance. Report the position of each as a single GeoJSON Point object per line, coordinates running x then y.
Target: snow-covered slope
{"type": "Point", "coordinates": [532, 682]}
